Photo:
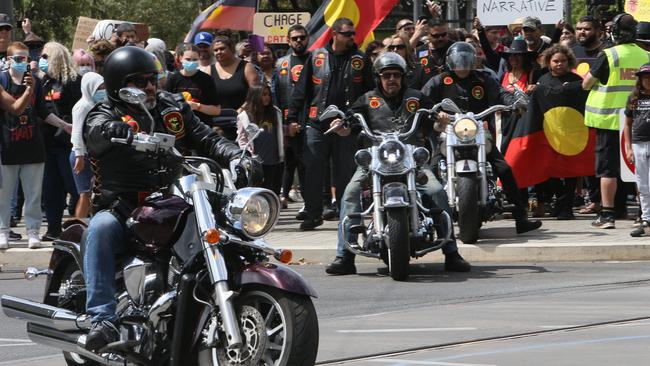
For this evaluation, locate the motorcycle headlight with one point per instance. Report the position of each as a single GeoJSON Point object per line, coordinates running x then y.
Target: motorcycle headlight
{"type": "Point", "coordinates": [466, 129]}
{"type": "Point", "coordinates": [391, 153]}
{"type": "Point", "coordinates": [363, 158]}
{"type": "Point", "coordinates": [421, 156]}
{"type": "Point", "coordinates": [253, 211]}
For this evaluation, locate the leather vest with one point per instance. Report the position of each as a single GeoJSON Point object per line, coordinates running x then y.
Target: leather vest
{"type": "Point", "coordinates": [288, 69]}
{"type": "Point", "coordinates": [469, 98]}
{"type": "Point", "coordinates": [352, 79]}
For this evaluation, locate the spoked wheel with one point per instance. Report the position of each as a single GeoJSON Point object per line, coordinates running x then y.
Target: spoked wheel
{"type": "Point", "coordinates": [277, 329]}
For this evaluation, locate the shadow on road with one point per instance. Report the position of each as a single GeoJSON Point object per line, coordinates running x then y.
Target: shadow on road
{"type": "Point", "coordinates": [434, 272]}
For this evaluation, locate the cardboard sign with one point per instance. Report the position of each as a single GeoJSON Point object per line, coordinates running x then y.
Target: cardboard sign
{"type": "Point", "coordinates": [503, 12]}
{"type": "Point", "coordinates": [86, 26]}
{"type": "Point", "coordinates": [274, 26]}
{"type": "Point", "coordinates": [639, 9]}
{"type": "Point", "coordinates": [627, 167]}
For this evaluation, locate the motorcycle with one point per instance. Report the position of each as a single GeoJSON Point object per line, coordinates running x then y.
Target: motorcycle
{"type": "Point", "coordinates": [196, 287]}
{"type": "Point", "coordinates": [469, 179]}
{"type": "Point", "coordinates": [401, 227]}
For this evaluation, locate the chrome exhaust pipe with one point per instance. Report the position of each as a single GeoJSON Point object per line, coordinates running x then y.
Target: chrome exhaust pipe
{"type": "Point", "coordinates": [48, 316]}
{"type": "Point", "coordinates": [70, 342]}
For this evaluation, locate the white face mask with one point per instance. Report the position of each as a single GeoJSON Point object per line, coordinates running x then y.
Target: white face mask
{"type": "Point", "coordinates": [85, 69]}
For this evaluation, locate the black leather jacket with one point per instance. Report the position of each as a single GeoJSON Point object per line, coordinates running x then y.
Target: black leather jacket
{"type": "Point", "coordinates": [120, 171]}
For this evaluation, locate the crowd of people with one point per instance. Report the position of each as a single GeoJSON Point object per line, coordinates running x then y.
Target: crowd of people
{"type": "Point", "coordinates": [47, 92]}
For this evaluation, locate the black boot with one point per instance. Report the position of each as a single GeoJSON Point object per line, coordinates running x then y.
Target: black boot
{"type": "Point", "coordinates": [309, 224]}
{"type": "Point", "coordinates": [455, 263]}
{"type": "Point", "coordinates": [341, 266]}
{"type": "Point", "coordinates": [524, 225]}
{"type": "Point", "coordinates": [101, 334]}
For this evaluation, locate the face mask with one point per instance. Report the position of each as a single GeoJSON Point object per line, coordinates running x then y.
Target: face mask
{"type": "Point", "coordinates": [19, 67]}
{"type": "Point", "coordinates": [162, 75]}
{"type": "Point", "coordinates": [85, 69]}
{"type": "Point", "coordinates": [190, 66]}
{"type": "Point", "coordinates": [43, 64]}
{"type": "Point", "coordinates": [99, 96]}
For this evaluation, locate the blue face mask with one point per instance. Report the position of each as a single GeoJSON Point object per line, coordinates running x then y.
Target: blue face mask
{"type": "Point", "coordinates": [43, 64]}
{"type": "Point", "coordinates": [83, 69]}
{"type": "Point", "coordinates": [100, 96]}
{"type": "Point", "coordinates": [19, 67]}
{"type": "Point", "coordinates": [190, 66]}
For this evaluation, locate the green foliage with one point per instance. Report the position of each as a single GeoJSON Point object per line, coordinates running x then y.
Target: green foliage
{"type": "Point", "coordinates": [56, 20]}
{"type": "Point", "coordinates": [579, 9]}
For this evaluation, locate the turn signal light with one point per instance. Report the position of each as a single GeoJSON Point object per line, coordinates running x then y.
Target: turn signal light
{"type": "Point", "coordinates": [212, 236]}
{"type": "Point", "coordinates": [284, 255]}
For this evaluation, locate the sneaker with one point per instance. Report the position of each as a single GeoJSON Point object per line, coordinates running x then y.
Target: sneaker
{"type": "Point", "coordinates": [604, 222]}
{"type": "Point", "coordinates": [295, 195]}
{"type": "Point", "coordinates": [331, 212]}
{"type": "Point", "coordinates": [302, 214]}
{"type": "Point", "coordinates": [4, 241]}
{"type": "Point", "coordinates": [101, 334]}
{"type": "Point", "coordinates": [14, 236]}
{"type": "Point", "coordinates": [341, 266]}
{"type": "Point", "coordinates": [33, 242]}
{"type": "Point", "coordinates": [50, 236]}
{"type": "Point", "coordinates": [642, 230]}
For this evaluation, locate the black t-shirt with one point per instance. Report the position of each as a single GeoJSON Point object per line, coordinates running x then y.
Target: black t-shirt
{"type": "Point", "coordinates": [581, 52]}
{"type": "Point", "coordinates": [553, 81]}
{"type": "Point", "coordinates": [59, 98]}
{"type": "Point", "coordinates": [600, 68]}
{"type": "Point", "coordinates": [265, 144]}
{"type": "Point", "coordinates": [232, 91]}
{"type": "Point", "coordinates": [201, 88]}
{"type": "Point", "coordinates": [22, 139]}
{"type": "Point", "coordinates": [640, 119]}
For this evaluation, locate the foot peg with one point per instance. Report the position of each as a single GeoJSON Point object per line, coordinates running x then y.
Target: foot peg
{"type": "Point", "coordinates": [357, 229]}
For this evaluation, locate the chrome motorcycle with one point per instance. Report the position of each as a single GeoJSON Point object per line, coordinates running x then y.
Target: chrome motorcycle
{"type": "Point", "coordinates": [400, 226]}
{"type": "Point", "coordinates": [197, 286]}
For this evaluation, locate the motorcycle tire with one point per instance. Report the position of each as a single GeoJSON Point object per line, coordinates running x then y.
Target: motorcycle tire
{"type": "Point", "coordinates": [284, 324]}
{"type": "Point", "coordinates": [72, 275]}
{"type": "Point", "coordinates": [469, 215]}
{"type": "Point", "coordinates": [397, 241]}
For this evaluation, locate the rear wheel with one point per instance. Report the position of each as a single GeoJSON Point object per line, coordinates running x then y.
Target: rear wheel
{"type": "Point", "coordinates": [469, 215]}
{"type": "Point", "coordinates": [397, 240]}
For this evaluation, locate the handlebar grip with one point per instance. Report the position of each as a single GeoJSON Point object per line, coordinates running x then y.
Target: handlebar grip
{"type": "Point", "coordinates": [116, 140]}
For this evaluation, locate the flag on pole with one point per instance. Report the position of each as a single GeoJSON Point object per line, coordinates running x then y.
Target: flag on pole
{"type": "Point", "coordinates": [225, 14]}
{"type": "Point", "coordinates": [365, 14]}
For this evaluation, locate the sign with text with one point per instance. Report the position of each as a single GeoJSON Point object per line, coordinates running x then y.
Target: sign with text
{"type": "Point", "coordinates": [503, 12]}
{"type": "Point", "coordinates": [640, 9]}
{"type": "Point", "coordinates": [86, 26]}
{"type": "Point", "coordinates": [274, 26]}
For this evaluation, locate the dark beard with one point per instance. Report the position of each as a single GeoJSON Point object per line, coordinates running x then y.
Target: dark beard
{"type": "Point", "coordinates": [299, 50]}
{"type": "Point", "coordinates": [589, 41]}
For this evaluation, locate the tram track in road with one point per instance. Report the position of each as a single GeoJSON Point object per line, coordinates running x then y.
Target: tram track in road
{"type": "Point", "coordinates": [378, 357]}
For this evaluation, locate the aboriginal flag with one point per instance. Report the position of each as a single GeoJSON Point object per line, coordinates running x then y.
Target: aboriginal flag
{"type": "Point", "coordinates": [365, 14]}
{"type": "Point", "coordinates": [551, 139]}
{"type": "Point", "coordinates": [225, 14]}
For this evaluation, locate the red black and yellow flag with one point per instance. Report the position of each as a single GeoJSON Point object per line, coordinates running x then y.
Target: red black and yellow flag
{"type": "Point", "coordinates": [551, 140]}
{"type": "Point", "coordinates": [365, 14]}
{"type": "Point", "coordinates": [225, 14]}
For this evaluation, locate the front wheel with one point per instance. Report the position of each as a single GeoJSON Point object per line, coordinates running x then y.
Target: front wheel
{"type": "Point", "coordinates": [469, 215]}
{"type": "Point", "coordinates": [278, 329]}
{"type": "Point", "coordinates": [397, 240]}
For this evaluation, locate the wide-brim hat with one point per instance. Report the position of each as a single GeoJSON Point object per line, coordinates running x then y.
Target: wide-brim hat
{"type": "Point", "coordinates": [518, 47]}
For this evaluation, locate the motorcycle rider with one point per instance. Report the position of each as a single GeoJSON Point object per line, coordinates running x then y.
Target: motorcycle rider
{"type": "Point", "coordinates": [124, 177]}
{"type": "Point", "coordinates": [390, 106]}
{"type": "Point", "coordinates": [474, 91]}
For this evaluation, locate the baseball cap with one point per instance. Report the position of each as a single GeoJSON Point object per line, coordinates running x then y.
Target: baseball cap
{"type": "Point", "coordinates": [531, 22]}
{"type": "Point", "coordinates": [5, 20]}
{"type": "Point", "coordinates": [203, 38]}
{"type": "Point", "coordinates": [645, 69]}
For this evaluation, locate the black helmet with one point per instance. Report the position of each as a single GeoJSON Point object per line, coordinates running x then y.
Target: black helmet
{"type": "Point", "coordinates": [643, 32]}
{"type": "Point", "coordinates": [123, 63]}
{"type": "Point", "coordinates": [461, 56]}
{"type": "Point", "coordinates": [388, 60]}
{"type": "Point", "coordinates": [624, 28]}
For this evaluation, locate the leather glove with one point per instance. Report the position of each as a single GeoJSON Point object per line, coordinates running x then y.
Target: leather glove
{"type": "Point", "coordinates": [118, 130]}
{"type": "Point", "coordinates": [249, 172]}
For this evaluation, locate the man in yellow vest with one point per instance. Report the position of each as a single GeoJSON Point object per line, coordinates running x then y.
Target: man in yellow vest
{"type": "Point", "coordinates": [611, 79]}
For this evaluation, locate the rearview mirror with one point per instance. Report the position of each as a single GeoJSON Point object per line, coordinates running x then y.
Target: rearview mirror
{"type": "Point", "coordinates": [450, 106]}
{"type": "Point", "coordinates": [331, 112]}
{"type": "Point", "coordinates": [132, 95]}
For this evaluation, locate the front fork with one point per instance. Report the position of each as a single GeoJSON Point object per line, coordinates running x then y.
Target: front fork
{"type": "Point", "coordinates": [481, 159]}
{"type": "Point", "coordinates": [378, 218]}
{"type": "Point", "coordinates": [214, 260]}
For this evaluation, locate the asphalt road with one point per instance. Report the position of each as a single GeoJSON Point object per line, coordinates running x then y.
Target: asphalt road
{"type": "Point", "coordinates": [501, 314]}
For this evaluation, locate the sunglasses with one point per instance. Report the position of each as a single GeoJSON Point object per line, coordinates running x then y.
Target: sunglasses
{"type": "Point", "coordinates": [439, 35]}
{"type": "Point", "coordinates": [19, 58]}
{"type": "Point", "coordinates": [391, 75]}
{"type": "Point", "coordinates": [408, 26]}
{"type": "Point", "coordinates": [347, 34]}
{"type": "Point", "coordinates": [396, 47]}
{"type": "Point", "coordinates": [298, 38]}
{"type": "Point", "coordinates": [44, 56]}
{"type": "Point", "coordinates": [142, 81]}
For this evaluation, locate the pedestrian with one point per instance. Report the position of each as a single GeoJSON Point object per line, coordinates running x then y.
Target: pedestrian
{"type": "Point", "coordinates": [61, 89]}
{"type": "Point", "coordinates": [100, 50]}
{"type": "Point", "coordinates": [231, 74]}
{"type": "Point", "coordinates": [5, 39]}
{"type": "Point", "coordinates": [197, 87]}
{"type": "Point", "coordinates": [637, 140]}
{"type": "Point", "coordinates": [84, 61]}
{"type": "Point", "coordinates": [203, 41]}
{"type": "Point", "coordinates": [609, 90]}
{"type": "Point", "coordinates": [93, 92]}
{"type": "Point", "coordinates": [268, 146]}
{"type": "Point", "coordinates": [415, 76]}
{"type": "Point", "coordinates": [334, 75]}
{"type": "Point", "coordinates": [374, 49]}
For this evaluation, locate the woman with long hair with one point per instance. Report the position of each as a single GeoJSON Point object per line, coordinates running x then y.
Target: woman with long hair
{"type": "Point", "coordinates": [415, 76]}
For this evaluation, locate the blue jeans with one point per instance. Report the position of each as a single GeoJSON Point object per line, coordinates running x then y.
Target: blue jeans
{"type": "Point", "coordinates": [351, 203]}
{"type": "Point", "coordinates": [31, 176]}
{"type": "Point", "coordinates": [104, 243]}
{"type": "Point", "coordinates": [57, 182]}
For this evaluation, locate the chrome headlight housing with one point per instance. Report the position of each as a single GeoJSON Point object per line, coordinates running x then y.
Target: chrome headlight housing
{"type": "Point", "coordinates": [466, 129]}
{"type": "Point", "coordinates": [391, 153]}
{"type": "Point", "coordinates": [253, 211]}
{"type": "Point", "coordinates": [363, 158]}
{"type": "Point", "coordinates": [421, 156]}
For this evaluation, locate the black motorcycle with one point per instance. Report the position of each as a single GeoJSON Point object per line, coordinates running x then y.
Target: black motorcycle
{"type": "Point", "coordinates": [196, 288]}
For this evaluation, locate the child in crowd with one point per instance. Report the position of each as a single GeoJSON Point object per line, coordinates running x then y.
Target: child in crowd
{"type": "Point", "coordinates": [269, 144]}
{"type": "Point", "coordinates": [637, 143]}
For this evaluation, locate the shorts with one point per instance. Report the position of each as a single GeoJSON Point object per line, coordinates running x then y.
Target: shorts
{"type": "Point", "coordinates": [84, 179]}
{"type": "Point", "coordinates": [608, 163]}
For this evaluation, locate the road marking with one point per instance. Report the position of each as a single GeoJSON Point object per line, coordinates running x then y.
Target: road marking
{"type": "Point", "coordinates": [557, 326]}
{"type": "Point", "coordinates": [404, 330]}
{"type": "Point", "coordinates": [412, 362]}
{"type": "Point", "coordinates": [17, 344]}
{"type": "Point", "coordinates": [23, 360]}
{"type": "Point", "coordinates": [14, 340]}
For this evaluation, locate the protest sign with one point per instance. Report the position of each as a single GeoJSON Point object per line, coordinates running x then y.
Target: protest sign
{"type": "Point", "coordinates": [85, 27]}
{"type": "Point", "coordinates": [639, 9]}
{"type": "Point", "coordinates": [274, 26]}
{"type": "Point", "coordinates": [502, 12]}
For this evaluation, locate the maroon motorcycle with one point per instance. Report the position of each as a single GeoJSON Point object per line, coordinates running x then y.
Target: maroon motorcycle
{"type": "Point", "coordinates": [197, 287]}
